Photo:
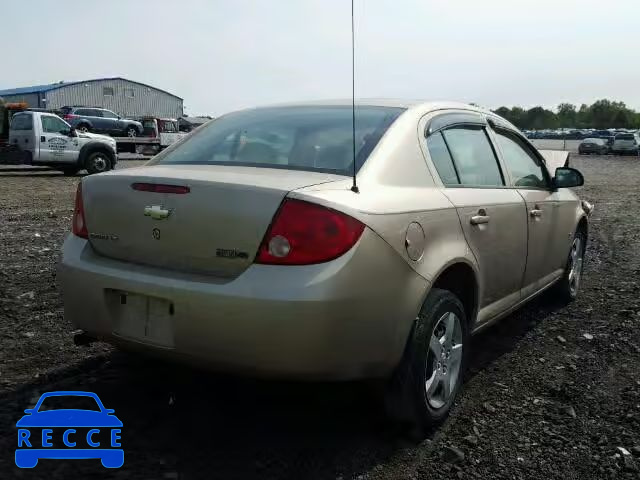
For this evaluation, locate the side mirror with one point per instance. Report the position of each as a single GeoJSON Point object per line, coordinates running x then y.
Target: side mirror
{"type": "Point", "coordinates": [109, 411]}
{"type": "Point", "coordinates": [567, 177]}
{"type": "Point", "coordinates": [29, 410]}
{"type": "Point", "coordinates": [72, 132]}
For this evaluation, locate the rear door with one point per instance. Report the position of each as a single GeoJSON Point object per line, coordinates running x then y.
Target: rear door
{"type": "Point", "coordinates": [492, 216]}
{"type": "Point", "coordinates": [111, 122]}
{"type": "Point", "coordinates": [529, 176]}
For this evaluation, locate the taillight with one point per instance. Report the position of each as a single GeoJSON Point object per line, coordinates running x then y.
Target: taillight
{"type": "Point", "coordinates": [69, 116]}
{"type": "Point", "coordinates": [303, 233]}
{"type": "Point", "coordinates": [79, 226]}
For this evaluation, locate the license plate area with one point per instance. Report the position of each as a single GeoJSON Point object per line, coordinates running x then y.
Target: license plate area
{"type": "Point", "coordinates": [142, 318]}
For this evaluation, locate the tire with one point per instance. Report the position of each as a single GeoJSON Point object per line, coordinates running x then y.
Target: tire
{"type": "Point", "coordinates": [83, 128]}
{"type": "Point", "coordinates": [425, 385]}
{"type": "Point", "coordinates": [97, 162]}
{"type": "Point", "coordinates": [132, 131]}
{"type": "Point", "coordinates": [568, 287]}
{"type": "Point", "coordinates": [70, 172]}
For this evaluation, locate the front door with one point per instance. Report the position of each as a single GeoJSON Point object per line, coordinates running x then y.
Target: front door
{"type": "Point", "coordinates": [56, 146]}
{"type": "Point", "coordinates": [493, 216]}
{"type": "Point", "coordinates": [529, 176]}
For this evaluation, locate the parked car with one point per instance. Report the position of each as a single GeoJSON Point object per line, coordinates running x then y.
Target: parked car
{"type": "Point", "coordinates": [45, 139]}
{"type": "Point", "coordinates": [253, 246]}
{"type": "Point", "coordinates": [593, 145]}
{"type": "Point", "coordinates": [625, 143]}
{"type": "Point", "coordinates": [101, 120]}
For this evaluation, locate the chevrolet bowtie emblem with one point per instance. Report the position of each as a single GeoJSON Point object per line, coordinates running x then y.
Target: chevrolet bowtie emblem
{"type": "Point", "coordinates": [157, 212]}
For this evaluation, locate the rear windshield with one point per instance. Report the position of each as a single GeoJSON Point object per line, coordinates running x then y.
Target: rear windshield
{"type": "Point", "coordinates": [625, 136]}
{"type": "Point", "coordinates": [593, 140]}
{"type": "Point", "coordinates": [316, 138]}
{"type": "Point", "coordinates": [66, 110]}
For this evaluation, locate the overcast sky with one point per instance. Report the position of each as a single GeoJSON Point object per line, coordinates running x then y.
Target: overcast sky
{"type": "Point", "coordinates": [221, 55]}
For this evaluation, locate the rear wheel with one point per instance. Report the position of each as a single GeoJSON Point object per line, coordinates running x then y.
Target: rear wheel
{"type": "Point", "coordinates": [428, 379]}
{"type": "Point", "coordinates": [132, 132]}
{"type": "Point", "coordinates": [83, 128]}
{"type": "Point", "coordinates": [98, 162]}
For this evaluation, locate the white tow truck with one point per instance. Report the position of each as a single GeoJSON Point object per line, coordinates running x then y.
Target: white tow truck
{"type": "Point", "coordinates": [44, 139]}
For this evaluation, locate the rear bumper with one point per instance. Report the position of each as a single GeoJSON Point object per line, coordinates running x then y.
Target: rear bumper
{"type": "Point", "coordinates": [345, 319]}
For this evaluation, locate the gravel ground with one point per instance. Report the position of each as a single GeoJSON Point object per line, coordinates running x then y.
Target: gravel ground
{"type": "Point", "coordinates": [553, 392]}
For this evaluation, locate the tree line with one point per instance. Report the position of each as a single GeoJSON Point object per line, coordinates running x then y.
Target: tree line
{"type": "Point", "coordinates": [601, 115]}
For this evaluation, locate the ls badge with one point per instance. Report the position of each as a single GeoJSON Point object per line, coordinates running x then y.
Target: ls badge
{"type": "Point", "coordinates": [156, 233]}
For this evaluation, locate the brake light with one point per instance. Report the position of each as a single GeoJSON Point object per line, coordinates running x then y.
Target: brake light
{"type": "Point", "coordinates": [159, 188]}
{"type": "Point", "coordinates": [69, 116]}
{"type": "Point", "coordinates": [303, 233]}
{"type": "Point", "coordinates": [79, 226]}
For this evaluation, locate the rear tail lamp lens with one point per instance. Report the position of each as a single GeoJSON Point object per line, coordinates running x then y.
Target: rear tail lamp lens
{"type": "Point", "coordinates": [304, 233]}
{"type": "Point", "coordinates": [79, 225]}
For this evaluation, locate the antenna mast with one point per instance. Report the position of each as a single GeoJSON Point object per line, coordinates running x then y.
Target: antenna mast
{"type": "Point", "coordinates": [354, 187]}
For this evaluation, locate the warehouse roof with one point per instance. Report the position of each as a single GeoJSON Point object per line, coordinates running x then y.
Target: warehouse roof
{"type": "Point", "coordinates": [53, 86]}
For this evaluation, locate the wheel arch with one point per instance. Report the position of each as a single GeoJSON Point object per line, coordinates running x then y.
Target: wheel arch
{"type": "Point", "coordinates": [460, 278]}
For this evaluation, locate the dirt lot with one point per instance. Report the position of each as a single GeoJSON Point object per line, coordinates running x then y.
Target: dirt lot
{"type": "Point", "coordinates": [552, 393]}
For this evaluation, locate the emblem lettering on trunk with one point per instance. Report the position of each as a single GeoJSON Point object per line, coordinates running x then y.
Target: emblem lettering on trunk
{"type": "Point", "coordinates": [231, 253]}
{"type": "Point", "coordinates": [156, 233]}
{"type": "Point", "coordinates": [103, 236]}
{"type": "Point", "coordinates": [157, 212]}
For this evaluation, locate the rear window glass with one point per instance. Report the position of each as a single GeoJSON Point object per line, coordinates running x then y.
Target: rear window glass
{"type": "Point", "coordinates": [473, 156]}
{"type": "Point", "coordinates": [22, 121]}
{"type": "Point", "coordinates": [593, 140]}
{"type": "Point", "coordinates": [442, 159]}
{"type": "Point", "coordinates": [625, 136]}
{"type": "Point", "coordinates": [316, 138]}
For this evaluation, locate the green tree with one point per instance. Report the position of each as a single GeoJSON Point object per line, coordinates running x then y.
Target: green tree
{"type": "Point", "coordinates": [567, 115]}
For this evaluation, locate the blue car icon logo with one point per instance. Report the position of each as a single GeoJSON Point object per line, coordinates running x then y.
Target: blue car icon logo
{"type": "Point", "coordinates": [53, 430]}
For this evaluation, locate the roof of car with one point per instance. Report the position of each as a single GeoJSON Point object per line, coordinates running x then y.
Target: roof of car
{"type": "Point", "coordinates": [385, 102]}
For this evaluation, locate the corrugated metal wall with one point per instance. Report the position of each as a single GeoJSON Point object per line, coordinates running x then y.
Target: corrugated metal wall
{"type": "Point", "coordinates": [145, 100]}
{"type": "Point", "coordinates": [30, 99]}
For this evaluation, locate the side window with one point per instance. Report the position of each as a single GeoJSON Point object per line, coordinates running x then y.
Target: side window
{"type": "Point", "coordinates": [24, 121]}
{"type": "Point", "coordinates": [53, 125]}
{"type": "Point", "coordinates": [94, 113]}
{"type": "Point", "coordinates": [473, 157]}
{"type": "Point", "coordinates": [442, 159]}
{"type": "Point", "coordinates": [108, 114]}
{"type": "Point", "coordinates": [167, 126]}
{"type": "Point", "coordinates": [524, 166]}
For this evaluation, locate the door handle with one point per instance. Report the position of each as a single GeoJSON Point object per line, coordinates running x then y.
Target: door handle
{"type": "Point", "coordinates": [536, 212]}
{"type": "Point", "coordinates": [480, 218]}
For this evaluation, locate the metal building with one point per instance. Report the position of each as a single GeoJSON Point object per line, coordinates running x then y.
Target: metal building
{"type": "Point", "coordinates": [124, 97]}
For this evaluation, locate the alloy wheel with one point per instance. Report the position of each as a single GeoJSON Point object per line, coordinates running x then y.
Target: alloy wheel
{"type": "Point", "coordinates": [444, 360]}
{"type": "Point", "coordinates": [576, 257]}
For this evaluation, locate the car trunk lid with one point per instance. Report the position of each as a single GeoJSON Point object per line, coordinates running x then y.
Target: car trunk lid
{"type": "Point", "coordinates": [214, 228]}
